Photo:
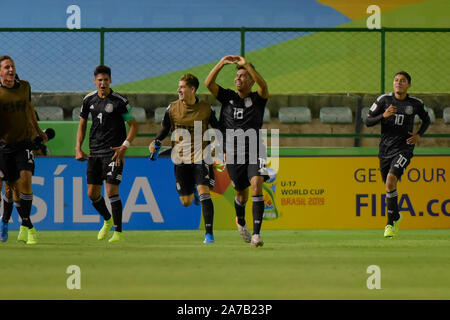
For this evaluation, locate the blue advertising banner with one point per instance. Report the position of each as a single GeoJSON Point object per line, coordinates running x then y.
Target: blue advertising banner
{"type": "Point", "coordinates": [148, 193]}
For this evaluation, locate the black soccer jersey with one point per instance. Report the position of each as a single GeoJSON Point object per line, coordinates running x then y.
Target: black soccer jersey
{"type": "Point", "coordinates": [395, 129]}
{"type": "Point", "coordinates": [238, 113]}
{"type": "Point", "coordinates": [108, 116]}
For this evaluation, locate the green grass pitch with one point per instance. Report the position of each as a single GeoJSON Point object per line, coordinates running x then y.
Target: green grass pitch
{"type": "Point", "coordinates": [176, 265]}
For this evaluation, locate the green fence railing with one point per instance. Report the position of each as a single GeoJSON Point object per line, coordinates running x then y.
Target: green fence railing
{"type": "Point", "coordinates": [292, 60]}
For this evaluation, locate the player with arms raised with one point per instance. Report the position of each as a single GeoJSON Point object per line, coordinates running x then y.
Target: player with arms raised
{"type": "Point", "coordinates": [243, 112]}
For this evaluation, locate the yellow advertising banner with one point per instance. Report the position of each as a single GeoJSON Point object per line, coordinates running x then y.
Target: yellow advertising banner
{"type": "Point", "coordinates": [344, 192]}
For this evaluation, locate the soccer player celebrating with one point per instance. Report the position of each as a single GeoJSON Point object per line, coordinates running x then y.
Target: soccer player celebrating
{"type": "Point", "coordinates": [108, 142]}
{"type": "Point", "coordinates": [192, 169]}
{"type": "Point", "coordinates": [17, 125]}
{"type": "Point", "coordinates": [396, 112]}
{"type": "Point", "coordinates": [244, 110]}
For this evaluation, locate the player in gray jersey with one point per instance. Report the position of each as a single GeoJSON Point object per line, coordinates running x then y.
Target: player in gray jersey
{"type": "Point", "coordinates": [396, 111]}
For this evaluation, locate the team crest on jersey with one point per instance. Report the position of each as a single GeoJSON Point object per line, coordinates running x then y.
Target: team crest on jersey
{"type": "Point", "coordinates": [248, 102]}
{"type": "Point", "coordinates": [409, 110]}
{"type": "Point", "coordinates": [109, 108]}
{"type": "Point", "coordinates": [232, 102]}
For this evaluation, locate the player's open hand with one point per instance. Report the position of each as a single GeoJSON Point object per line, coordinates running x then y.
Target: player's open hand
{"type": "Point", "coordinates": [391, 110]}
{"type": "Point", "coordinates": [80, 155]}
{"type": "Point", "coordinates": [119, 154]}
{"type": "Point", "coordinates": [413, 139]}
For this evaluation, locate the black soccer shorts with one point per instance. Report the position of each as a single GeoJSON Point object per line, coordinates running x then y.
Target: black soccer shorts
{"type": "Point", "coordinates": [189, 175]}
{"type": "Point", "coordinates": [101, 168]}
{"type": "Point", "coordinates": [395, 165]}
{"type": "Point", "coordinates": [11, 163]}
{"type": "Point", "coordinates": [241, 174]}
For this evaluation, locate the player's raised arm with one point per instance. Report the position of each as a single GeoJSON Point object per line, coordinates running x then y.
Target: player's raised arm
{"type": "Point", "coordinates": [263, 89]}
{"type": "Point", "coordinates": [210, 81]}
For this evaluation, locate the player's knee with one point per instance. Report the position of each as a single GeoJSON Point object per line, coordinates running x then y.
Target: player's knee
{"type": "Point", "coordinates": [391, 184]}
{"type": "Point", "coordinates": [93, 195]}
{"type": "Point", "coordinates": [186, 201]}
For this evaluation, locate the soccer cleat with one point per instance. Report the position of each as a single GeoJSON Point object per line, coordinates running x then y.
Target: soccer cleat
{"type": "Point", "coordinates": [23, 234]}
{"type": "Point", "coordinates": [397, 225]}
{"type": "Point", "coordinates": [117, 237]}
{"type": "Point", "coordinates": [4, 232]}
{"type": "Point", "coordinates": [244, 232]}
{"type": "Point", "coordinates": [32, 236]}
{"type": "Point", "coordinates": [209, 238]}
{"type": "Point", "coordinates": [256, 241]}
{"type": "Point", "coordinates": [388, 231]}
{"type": "Point", "coordinates": [107, 225]}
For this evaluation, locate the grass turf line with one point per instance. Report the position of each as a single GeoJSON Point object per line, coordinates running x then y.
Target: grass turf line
{"type": "Point", "coordinates": [176, 265]}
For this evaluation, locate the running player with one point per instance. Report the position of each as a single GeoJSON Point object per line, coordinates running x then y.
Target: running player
{"type": "Point", "coordinates": [243, 110]}
{"type": "Point", "coordinates": [192, 169]}
{"type": "Point", "coordinates": [17, 125]}
{"type": "Point", "coordinates": [108, 142]}
{"type": "Point", "coordinates": [396, 112]}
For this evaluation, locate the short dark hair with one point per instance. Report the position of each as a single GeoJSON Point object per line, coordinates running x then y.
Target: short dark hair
{"type": "Point", "coordinates": [5, 57]}
{"type": "Point", "coordinates": [102, 69]}
{"type": "Point", "coordinates": [404, 73]}
{"type": "Point", "coordinates": [242, 67]}
{"type": "Point", "coordinates": [191, 80]}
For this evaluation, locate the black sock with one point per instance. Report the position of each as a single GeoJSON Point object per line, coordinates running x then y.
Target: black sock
{"type": "Point", "coordinates": [26, 201]}
{"type": "Point", "coordinates": [100, 206]}
{"type": "Point", "coordinates": [240, 212]}
{"type": "Point", "coordinates": [208, 211]}
{"type": "Point", "coordinates": [392, 207]}
{"type": "Point", "coordinates": [116, 208]}
{"type": "Point", "coordinates": [258, 213]}
{"type": "Point", "coordinates": [7, 209]}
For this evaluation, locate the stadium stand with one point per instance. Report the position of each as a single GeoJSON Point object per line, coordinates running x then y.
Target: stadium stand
{"type": "Point", "coordinates": [76, 114]}
{"type": "Point", "coordinates": [430, 113]}
{"type": "Point", "coordinates": [446, 115]}
{"type": "Point", "coordinates": [294, 115]}
{"type": "Point", "coordinates": [267, 117]}
{"type": "Point", "coordinates": [159, 114]}
{"type": "Point", "coordinates": [139, 114]}
{"type": "Point", "coordinates": [50, 113]}
{"type": "Point", "coordinates": [336, 115]}
{"type": "Point", "coordinates": [364, 113]}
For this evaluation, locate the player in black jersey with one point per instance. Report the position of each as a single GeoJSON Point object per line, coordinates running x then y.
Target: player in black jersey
{"type": "Point", "coordinates": [242, 114]}
{"type": "Point", "coordinates": [17, 125]}
{"type": "Point", "coordinates": [108, 142]}
{"type": "Point", "coordinates": [396, 112]}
